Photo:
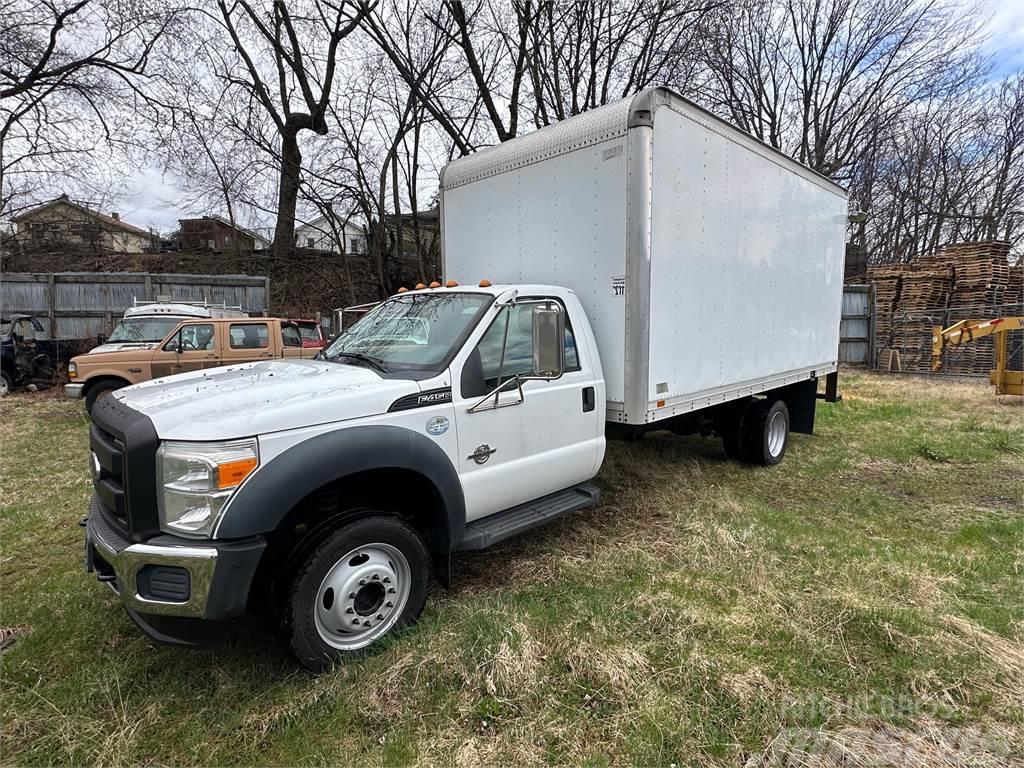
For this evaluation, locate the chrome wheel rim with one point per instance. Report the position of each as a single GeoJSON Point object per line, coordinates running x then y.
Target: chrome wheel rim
{"type": "Point", "coordinates": [362, 596]}
{"type": "Point", "coordinates": [4, 389]}
{"type": "Point", "coordinates": [776, 434]}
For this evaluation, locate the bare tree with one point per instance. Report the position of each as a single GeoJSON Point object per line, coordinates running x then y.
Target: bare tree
{"type": "Point", "coordinates": [301, 71]}
{"type": "Point", "coordinates": [64, 66]}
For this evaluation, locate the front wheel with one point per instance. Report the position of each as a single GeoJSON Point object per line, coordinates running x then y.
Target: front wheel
{"type": "Point", "coordinates": [366, 580]}
{"type": "Point", "coordinates": [6, 383]}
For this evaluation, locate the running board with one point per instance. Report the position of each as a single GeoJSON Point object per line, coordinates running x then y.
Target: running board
{"type": "Point", "coordinates": [487, 531]}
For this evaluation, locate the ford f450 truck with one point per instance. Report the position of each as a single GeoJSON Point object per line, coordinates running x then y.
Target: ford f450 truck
{"type": "Point", "coordinates": [652, 267]}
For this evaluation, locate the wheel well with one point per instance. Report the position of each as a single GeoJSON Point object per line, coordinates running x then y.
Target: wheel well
{"type": "Point", "coordinates": [93, 383]}
{"type": "Point", "coordinates": [406, 493]}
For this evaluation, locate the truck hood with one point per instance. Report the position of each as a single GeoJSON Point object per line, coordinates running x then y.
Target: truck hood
{"type": "Point", "coordinates": [121, 346]}
{"type": "Point", "coordinates": [256, 398]}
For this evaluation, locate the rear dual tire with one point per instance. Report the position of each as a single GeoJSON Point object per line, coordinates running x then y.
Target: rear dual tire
{"type": "Point", "coordinates": [759, 434]}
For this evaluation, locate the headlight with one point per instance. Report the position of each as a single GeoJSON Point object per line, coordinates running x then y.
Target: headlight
{"type": "Point", "coordinates": [197, 479]}
{"type": "Point", "coordinates": [72, 370]}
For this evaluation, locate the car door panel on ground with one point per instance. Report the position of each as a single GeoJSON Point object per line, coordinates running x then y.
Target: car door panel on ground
{"type": "Point", "coordinates": [191, 347]}
{"type": "Point", "coordinates": [521, 451]}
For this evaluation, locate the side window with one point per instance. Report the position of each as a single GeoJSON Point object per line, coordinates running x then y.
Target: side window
{"type": "Point", "coordinates": [519, 350]}
{"type": "Point", "coordinates": [518, 345]}
{"type": "Point", "coordinates": [290, 336]}
{"type": "Point", "coordinates": [249, 336]}
{"type": "Point", "coordinates": [191, 338]}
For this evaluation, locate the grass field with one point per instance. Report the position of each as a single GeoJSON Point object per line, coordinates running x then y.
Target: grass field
{"type": "Point", "coordinates": [862, 602]}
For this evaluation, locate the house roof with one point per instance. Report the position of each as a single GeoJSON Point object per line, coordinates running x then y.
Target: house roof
{"type": "Point", "coordinates": [321, 224]}
{"type": "Point", "coordinates": [108, 221]}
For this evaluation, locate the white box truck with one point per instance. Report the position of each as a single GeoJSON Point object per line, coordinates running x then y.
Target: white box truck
{"type": "Point", "coordinates": [643, 265]}
{"type": "Point", "coordinates": [709, 264]}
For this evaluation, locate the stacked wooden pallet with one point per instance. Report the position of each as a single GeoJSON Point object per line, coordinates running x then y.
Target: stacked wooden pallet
{"type": "Point", "coordinates": [925, 288]}
{"type": "Point", "coordinates": [1015, 288]}
{"type": "Point", "coordinates": [887, 280]}
{"type": "Point", "coordinates": [981, 273]}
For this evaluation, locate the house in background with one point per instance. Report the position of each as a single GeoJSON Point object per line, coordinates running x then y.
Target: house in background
{"type": "Point", "coordinates": [215, 233]}
{"type": "Point", "coordinates": [64, 221]}
{"type": "Point", "coordinates": [319, 235]}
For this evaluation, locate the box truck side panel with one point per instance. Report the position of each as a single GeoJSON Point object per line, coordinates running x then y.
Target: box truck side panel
{"type": "Point", "coordinates": [746, 264]}
{"type": "Point", "coordinates": [562, 221]}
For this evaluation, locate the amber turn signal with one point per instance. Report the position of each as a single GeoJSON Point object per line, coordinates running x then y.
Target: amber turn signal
{"type": "Point", "coordinates": [232, 473]}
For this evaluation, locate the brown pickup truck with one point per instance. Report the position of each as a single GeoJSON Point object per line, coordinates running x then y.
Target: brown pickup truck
{"type": "Point", "coordinates": [192, 345]}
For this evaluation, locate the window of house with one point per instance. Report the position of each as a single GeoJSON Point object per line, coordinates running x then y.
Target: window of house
{"type": "Point", "coordinates": [249, 336]}
{"type": "Point", "coordinates": [310, 242]}
{"type": "Point", "coordinates": [355, 245]}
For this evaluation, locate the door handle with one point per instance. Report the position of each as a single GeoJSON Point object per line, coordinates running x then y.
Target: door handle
{"type": "Point", "coordinates": [589, 399]}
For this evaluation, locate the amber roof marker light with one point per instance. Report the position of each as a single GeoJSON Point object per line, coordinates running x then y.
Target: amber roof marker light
{"type": "Point", "coordinates": [420, 286]}
{"type": "Point", "coordinates": [452, 284]}
{"type": "Point", "coordinates": [435, 284]}
{"type": "Point", "coordinates": [485, 283]}
{"type": "Point", "coordinates": [403, 289]}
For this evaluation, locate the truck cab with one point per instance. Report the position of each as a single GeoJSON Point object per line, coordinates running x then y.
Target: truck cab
{"type": "Point", "coordinates": [447, 418]}
{"type": "Point", "coordinates": [190, 345]}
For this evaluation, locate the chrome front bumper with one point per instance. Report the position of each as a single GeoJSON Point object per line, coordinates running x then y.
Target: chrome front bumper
{"type": "Point", "coordinates": [127, 560]}
{"type": "Point", "coordinates": [73, 391]}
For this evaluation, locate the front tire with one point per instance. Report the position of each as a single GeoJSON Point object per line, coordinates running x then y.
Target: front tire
{"type": "Point", "coordinates": [98, 391]}
{"type": "Point", "coordinates": [366, 580]}
{"type": "Point", "coordinates": [6, 383]}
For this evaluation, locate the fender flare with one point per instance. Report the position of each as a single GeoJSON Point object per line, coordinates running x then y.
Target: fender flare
{"type": "Point", "coordinates": [275, 488]}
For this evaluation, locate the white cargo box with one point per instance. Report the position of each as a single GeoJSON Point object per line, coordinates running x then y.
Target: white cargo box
{"type": "Point", "coordinates": [709, 264]}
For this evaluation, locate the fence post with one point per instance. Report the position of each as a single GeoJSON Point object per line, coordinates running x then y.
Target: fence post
{"type": "Point", "coordinates": [51, 304]}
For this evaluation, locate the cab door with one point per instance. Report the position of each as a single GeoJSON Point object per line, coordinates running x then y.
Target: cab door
{"type": "Point", "coordinates": [549, 439]}
{"type": "Point", "coordinates": [191, 347]}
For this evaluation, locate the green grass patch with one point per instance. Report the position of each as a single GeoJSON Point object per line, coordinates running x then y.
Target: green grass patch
{"type": "Point", "coordinates": [869, 591]}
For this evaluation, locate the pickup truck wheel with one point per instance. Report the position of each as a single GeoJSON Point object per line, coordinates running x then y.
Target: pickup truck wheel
{"type": "Point", "coordinates": [766, 425]}
{"type": "Point", "coordinates": [6, 384]}
{"type": "Point", "coordinates": [366, 580]}
{"type": "Point", "coordinates": [98, 391]}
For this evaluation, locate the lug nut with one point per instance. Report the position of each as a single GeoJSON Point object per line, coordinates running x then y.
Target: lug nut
{"type": "Point", "coordinates": [366, 623]}
{"type": "Point", "coordinates": [376, 577]}
{"type": "Point", "coordinates": [389, 604]}
{"type": "Point", "coordinates": [352, 595]}
{"type": "Point", "coordinates": [380, 616]}
{"type": "Point", "coordinates": [349, 610]}
{"type": "Point", "coordinates": [391, 590]}
{"type": "Point", "coordinates": [355, 621]}
{"type": "Point", "coordinates": [387, 579]}
{"type": "Point", "coordinates": [362, 582]}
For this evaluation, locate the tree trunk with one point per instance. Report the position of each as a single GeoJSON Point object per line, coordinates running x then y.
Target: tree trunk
{"type": "Point", "coordinates": [287, 194]}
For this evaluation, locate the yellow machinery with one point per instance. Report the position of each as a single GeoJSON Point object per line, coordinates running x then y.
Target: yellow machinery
{"type": "Point", "coordinates": [1007, 381]}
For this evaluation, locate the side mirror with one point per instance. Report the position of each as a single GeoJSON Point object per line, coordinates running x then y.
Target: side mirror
{"type": "Point", "coordinates": [548, 340]}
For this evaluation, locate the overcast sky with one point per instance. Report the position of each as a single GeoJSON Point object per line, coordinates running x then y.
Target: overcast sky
{"type": "Point", "coordinates": [150, 196]}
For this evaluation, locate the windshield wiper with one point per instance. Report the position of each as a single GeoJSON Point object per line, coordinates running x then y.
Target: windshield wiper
{"type": "Point", "coordinates": [373, 362]}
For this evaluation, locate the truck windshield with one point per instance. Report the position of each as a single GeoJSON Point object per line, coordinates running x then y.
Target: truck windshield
{"type": "Point", "coordinates": [144, 328]}
{"type": "Point", "coordinates": [414, 332]}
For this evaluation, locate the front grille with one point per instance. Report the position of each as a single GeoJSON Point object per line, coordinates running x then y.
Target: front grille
{"type": "Point", "coordinates": [110, 485]}
{"type": "Point", "coordinates": [125, 443]}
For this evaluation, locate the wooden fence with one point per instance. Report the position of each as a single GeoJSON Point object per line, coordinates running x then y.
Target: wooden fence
{"type": "Point", "coordinates": [83, 305]}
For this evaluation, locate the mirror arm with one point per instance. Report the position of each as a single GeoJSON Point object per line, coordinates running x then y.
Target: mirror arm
{"type": "Point", "coordinates": [479, 405]}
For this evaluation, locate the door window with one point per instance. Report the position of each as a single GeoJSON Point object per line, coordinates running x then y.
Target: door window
{"type": "Point", "coordinates": [518, 345]}
{"type": "Point", "coordinates": [249, 336]}
{"type": "Point", "coordinates": [290, 336]}
{"type": "Point", "coordinates": [191, 338]}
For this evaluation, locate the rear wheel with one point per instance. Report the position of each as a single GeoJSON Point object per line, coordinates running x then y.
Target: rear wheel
{"type": "Point", "coordinates": [765, 432]}
{"type": "Point", "coordinates": [366, 580]}
{"type": "Point", "coordinates": [6, 384]}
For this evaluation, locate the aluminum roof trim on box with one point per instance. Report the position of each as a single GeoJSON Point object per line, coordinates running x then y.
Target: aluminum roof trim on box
{"type": "Point", "coordinates": [600, 124]}
{"type": "Point", "coordinates": [583, 130]}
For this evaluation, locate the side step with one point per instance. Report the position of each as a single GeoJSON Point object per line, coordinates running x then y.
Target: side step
{"type": "Point", "coordinates": [487, 531]}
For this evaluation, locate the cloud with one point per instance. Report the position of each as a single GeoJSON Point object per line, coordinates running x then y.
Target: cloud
{"type": "Point", "coordinates": [1006, 35]}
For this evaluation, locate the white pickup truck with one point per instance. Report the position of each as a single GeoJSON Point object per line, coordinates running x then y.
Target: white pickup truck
{"type": "Point", "coordinates": [690, 280]}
